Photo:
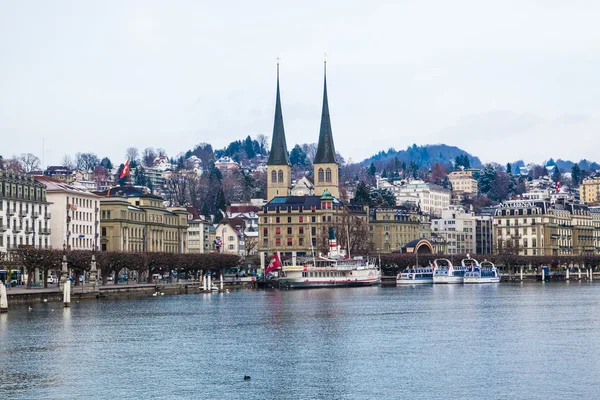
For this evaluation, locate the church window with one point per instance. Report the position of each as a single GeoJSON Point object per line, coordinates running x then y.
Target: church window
{"type": "Point", "coordinates": [274, 177]}
{"type": "Point", "coordinates": [328, 175]}
{"type": "Point", "coordinates": [280, 176]}
{"type": "Point", "coordinates": [321, 175]}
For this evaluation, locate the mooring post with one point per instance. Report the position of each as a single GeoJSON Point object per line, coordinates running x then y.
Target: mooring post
{"type": "Point", "coordinates": [221, 280]}
{"type": "Point", "coordinates": [3, 298]}
{"type": "Point", "coordinates": [67, 294]}
{"type": "Point", "coordinates": [543, 274]}
{"type": "Point", "coordinates": [521, 272]}
{"type": "Point", "coordinates": [204, 277]}
{"type": "Point", "coordinates": [567, 277]}
{"type": "Point", "coordinates": [591, 273]}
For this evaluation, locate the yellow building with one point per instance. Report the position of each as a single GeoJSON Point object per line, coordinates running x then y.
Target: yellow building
{"type": "Point", "coordinates": [589, 190]}
{"type": "Point", "coordinates": [463, 183]}
{"type": "Point", "coordinates": [543, 228]}
{"type": "Point", "coordinates": [131, 220]}
{"type": "Point", "coordinates": [391, 229]}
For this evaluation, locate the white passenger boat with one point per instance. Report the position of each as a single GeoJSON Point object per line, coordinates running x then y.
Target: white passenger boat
{"type": "Point", "coordinates": [484, 273]}
{"type": "Point", "coordinates": [415, 276]}
{"type": "Point", "coordinates": [330, 272]}
{"type": "Point", "coordinates": [445, 272]}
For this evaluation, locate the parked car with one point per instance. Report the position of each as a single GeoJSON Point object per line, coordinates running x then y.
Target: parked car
{"type": "Point", "coordinates": [52, 279]}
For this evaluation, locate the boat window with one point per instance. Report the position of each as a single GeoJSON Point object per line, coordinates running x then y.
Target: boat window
{"type": "Point", "coordinates": [311, 274]}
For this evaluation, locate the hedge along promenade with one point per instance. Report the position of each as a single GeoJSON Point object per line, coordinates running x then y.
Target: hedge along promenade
{"type": "Point", "coordinates": [79, 261]}
{"type": "Point", "coordinates": [392, 261]}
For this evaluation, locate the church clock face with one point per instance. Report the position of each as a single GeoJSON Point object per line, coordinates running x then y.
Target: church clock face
{"type": "Point", "coordinates": [301, 193]}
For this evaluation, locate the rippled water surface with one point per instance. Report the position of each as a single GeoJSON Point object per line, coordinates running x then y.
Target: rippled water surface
{"type": "Point", "coordinates": [535, 341]}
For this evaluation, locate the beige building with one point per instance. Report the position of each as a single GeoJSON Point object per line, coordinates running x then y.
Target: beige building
{"type": "Point", "coordinates": [589, 190]}
{"type": "Point", "coordinates": [431, 198]}
{"type": "Point", "coordinates": [24, 214]}
{"type": "Point", "coordinates": [545, 228]}
{"type": "Point", "coordinates": [76, 212]}
{"type": "Point", "coordinates": [391, 229]}
{"type": "Point", "coordinates": [230, 233]}
{"type": "Point", "coordinates": [131, 220]}
{"type": "Point", "coordinates": [463, 183]}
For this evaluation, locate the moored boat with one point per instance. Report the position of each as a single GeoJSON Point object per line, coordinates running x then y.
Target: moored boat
{"type": "Point", "coordinates": [330, 272]}
{"type": "Point", "coordinates": [415, 276]}
{"type": "Point", "coordinates": [445, 272]}
{"type": "Point", "coordinates": [486, 272]}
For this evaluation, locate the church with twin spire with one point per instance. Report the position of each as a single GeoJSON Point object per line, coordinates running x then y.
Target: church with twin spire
{"type": "Point", "coordinates": [298, 225]}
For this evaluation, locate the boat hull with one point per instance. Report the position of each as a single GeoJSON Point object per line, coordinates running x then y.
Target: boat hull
{"type": "Point", "coordinates": [314, 283]}
{"type": "Point", "coordinates": [447, 279]}
{"type": "Point", "coordinates": [414, 281]}
{"type": "Point", "coordinates": [482, 279]}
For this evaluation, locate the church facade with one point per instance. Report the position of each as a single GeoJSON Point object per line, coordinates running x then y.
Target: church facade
{"type": "Point", "coordinates": [295, 222]}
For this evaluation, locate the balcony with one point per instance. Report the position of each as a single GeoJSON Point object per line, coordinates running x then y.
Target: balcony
{"type": "Point", "coordinates": [17, 229]}
{"type": "Point", "coordinates": [36, 214]}
{"type": "Point", "coordinates": [46, 231]}
{"type": "Point", "coordinates": [10, 211]}
{"type": "Point", "coordinates": [47, 215]}
{"type": "Point", "coordinates": [28, 230]}
{"type": "Point", "coordinates": [23, 213]}
{"type": "Point", "coordinates": [3, 228]}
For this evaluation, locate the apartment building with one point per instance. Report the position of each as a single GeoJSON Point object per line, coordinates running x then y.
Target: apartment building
{"type": "Point", "coordinates": [24, 214]}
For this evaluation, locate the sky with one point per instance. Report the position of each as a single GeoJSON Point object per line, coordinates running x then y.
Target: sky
{"type": "Point", "coordinates": [503, 80]}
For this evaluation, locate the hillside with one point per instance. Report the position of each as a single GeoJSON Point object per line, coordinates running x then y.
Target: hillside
{"type": "Point", "coordinates": [424, 156]}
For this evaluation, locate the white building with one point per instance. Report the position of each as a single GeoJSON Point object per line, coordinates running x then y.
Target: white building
{"type": "Point", "coordinates": [231, 232]}
{"type": "Point", "coordinates": [432, 199]}
{"type": "Point", "coordinates": [76, 215]}
{"type": "Point", "coordinates": [458, 229]}
{"type": "Point", "coordinates": [24, 215]}
{"type": "Point", "coordinates": [198, 232]}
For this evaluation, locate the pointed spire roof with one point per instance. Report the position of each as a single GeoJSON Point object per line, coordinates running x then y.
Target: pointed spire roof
{"type": "Point", "coordinates": [279, 154]}
{"type": "Point", "coordinates": [325, 149]}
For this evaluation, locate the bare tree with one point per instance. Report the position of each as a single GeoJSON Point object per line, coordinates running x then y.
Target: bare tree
{"type": "Point", "coordinates": [148, 156]}
{"type": "Point", "coordinates": [68, 162]}
{"type": "Point", "coordinates": [132, 154]}
{"type": "Point", "coordinates": [310, 149]}
{"type": "Point", "coordinates": [30, 162]}
{"type": "Point", "coordinates": [251, 243]}
{"type": "Point", "coordinates": [86, 161]}
{"type": "Point", "coordinates": [177, 189]}
{"type": "Point", "coordinates": [263, 142]}
{"type": "Point", "coordinates": [161, 152]}
{"type": "Point", "coordinates": [13, 164]}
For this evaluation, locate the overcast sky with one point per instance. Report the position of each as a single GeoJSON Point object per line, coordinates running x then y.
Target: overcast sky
{"type": "Point", "coordinates": [502, 80]}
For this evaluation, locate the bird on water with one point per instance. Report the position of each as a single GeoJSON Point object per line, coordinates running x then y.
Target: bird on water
{"type": "Point", "coordinates": [246, 378]}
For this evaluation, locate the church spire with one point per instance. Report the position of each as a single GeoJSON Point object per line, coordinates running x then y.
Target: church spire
{"type": "Point", "coordinates": [325, 149]}
{"type": "Point", "coordinates": [279, 154]}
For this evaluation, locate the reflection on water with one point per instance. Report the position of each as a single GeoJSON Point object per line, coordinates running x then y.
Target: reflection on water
{"type": "Point", "coordinates": [431, 342]}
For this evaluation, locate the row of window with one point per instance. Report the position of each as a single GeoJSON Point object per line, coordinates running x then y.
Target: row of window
{"type": "Point", "coordinates": [289, 242]}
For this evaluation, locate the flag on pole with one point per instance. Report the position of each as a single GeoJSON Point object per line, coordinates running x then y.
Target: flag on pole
{"type": "Point", "coordinates": [274, 264]}
{"type": "Point", "coordinates": [558, 185]}
{"type": "Point", "coordinates": [125, 170]}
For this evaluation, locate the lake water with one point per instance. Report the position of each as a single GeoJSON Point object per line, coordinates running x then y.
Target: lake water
{"type": "Point", "coordinates": [507, 341]}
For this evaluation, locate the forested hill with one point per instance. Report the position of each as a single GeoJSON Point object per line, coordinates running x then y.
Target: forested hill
{"type": "Point", "coordinates": [424, 156]}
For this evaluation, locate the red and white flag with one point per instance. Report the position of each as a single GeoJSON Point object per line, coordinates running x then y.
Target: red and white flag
{"type": "Point", "coordinates": [125, 170]}
{"type": "Point", "coordinates": [558, 185]}
{"type": "Point", "coordinates": [274, 264]}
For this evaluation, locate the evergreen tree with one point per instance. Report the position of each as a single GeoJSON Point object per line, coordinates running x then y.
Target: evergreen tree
{"type": "Point", "coordinates": [362, 194]}
{"type": "Point", "coordinates": [556, 174]}
{"type": "Point", "coordinates": [508, 169]}
{"type": "Point", "coordinates": [220, 205]}
{"type": "Point", "coordinates": [384, 173]}
{"type": "Point", "coordinates": [249, 148]}
{"type": "Point", "coordinates": [575, 175]}
{"type": "Point", "coordinates": [106, 163]}
{"type": "Point", "coordinates": [372, 169]}
{"type": "Point", "coordinates": [486, 179]}
{"type": "Point", "coordinates": [297, 156]}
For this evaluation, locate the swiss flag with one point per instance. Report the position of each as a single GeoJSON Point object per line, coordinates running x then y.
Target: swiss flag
{"type": "Point", "coordinates": [274, 264]}
{"type": "Point", "coordinates": [558, 185]}
{"type": "Point", "coordinates": [125, 170]}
